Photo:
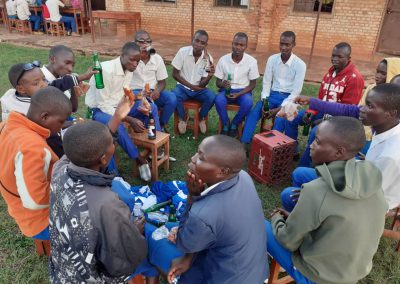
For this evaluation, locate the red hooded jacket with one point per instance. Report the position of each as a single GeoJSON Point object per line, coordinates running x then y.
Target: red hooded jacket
{"type": "Point", "coordinates": [346, 87]}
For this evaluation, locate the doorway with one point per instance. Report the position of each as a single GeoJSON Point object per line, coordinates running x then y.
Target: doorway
{"type": "Point", "coordinates": [389, 38]}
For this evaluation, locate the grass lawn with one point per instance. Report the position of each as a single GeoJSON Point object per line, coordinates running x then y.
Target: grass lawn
{"type": "Point", "coordinates": [18, 259]}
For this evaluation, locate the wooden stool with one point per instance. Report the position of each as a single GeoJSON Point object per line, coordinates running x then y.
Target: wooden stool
{"type": "Point", "coordinates": [42, 247]}
{"type": "Point", "coordinates": [240, 125]}
{"type": "Point", "coordinates": [394, 231]}
{"type": "Point", "coordinates": [141, 140]}
{"type": "Point", "coordinates": [192, 121]}
{"type": "Point", "coordinates": [23, 26]}
{"type": "Point", "coordinates": [12, 25]}
{"type": "Point", "coordinates": [4, 16]}
{"type": "Point", "coordinates": [138, 279]}
{"type": "Point", "coordinates": [274, 274]}
{"type": "Point", "coordinates": [54, 28]}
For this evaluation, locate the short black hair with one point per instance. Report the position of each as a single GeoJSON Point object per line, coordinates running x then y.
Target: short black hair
{"type": "Point", "coordinates": [201, 32]}
{"type": "Point", "coordinates": [230, 151]}
{"type": "Point", "coordinates": [242, 35]}
{"type": "Point", "coordinates": [395, 80]}
{"type": "Point", "coordinates": [85, 143]}
{"type": "Point", "coordinates": [57, 49]}
{"type": "Point", "coordinates": [140, 32]}
{"type": "Point", "coordinates": [345, 46]}
{"type": "Point", "coordinates": [390, 95]}
{"type": "Point", "coordinates": [289, 34]}
{"type": "Point", "coordinates": [129, 46]}
{"type": "Point", "coordinates": [51, 100]}
{"type": "Point", "coordinates": [348, 130]}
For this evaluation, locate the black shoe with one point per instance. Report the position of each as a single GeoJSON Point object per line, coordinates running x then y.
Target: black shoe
{"type": "Point", "coordinates": [233, 132]}
{"type": "Point", "coordinates": [225, 130]}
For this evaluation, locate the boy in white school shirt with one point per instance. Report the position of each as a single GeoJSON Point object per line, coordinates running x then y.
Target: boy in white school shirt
{"type": "Point", "coordinates": [190, 70]}
{"type": "Point", "coordinates": [243, 71]}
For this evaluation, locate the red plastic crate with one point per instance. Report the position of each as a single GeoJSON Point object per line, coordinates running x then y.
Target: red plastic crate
{"type": "Point", "coordinates": [271, 157]}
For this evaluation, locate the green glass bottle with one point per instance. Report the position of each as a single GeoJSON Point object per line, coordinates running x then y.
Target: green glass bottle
{"type": "Point", "coordinates": [172, 214]}
{"type": "Point", "coordinates": [157, 206]}
{"type": "Point", "coordinates": [307, 123]}
{"type": "Point", "coordinates": [228, 90]}
{"type": "Point", "coordinates": [89, 113]}
{"type": "Point", "coordinates": [266, 105]}
{"type": "Point", "coordinates": [97, 67]}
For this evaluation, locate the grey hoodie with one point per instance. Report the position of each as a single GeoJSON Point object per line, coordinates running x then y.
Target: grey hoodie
{"type": "Point", "coordinates": [334, 229]}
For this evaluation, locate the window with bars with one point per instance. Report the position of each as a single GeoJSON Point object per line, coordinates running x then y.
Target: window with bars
{"type": "Point", "coordinates": [232, 3]}
{"type": "Point", "coordinates": [312, 6]}
{"type": "Point", "coordinates": [163, 1]}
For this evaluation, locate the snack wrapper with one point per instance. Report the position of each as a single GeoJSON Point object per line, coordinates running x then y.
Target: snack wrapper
{"type": "Point", "coordinates": [289, 110]}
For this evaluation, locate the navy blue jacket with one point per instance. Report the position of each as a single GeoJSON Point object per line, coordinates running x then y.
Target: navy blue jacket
{"type": "Point", "coordinates": [225, 228]}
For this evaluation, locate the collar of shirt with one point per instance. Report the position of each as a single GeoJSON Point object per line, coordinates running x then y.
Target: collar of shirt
{"type": "Point", "coordinates": [290, 60]}
{"type": "Point", "coordinates": [379, 138]}
{"type": "Point", "coordinates": [119, 70]}
{"type": "Point", "coordinates": [241, 62]}
{"type": "Point", "coordinates": [208, 189]}
{"type": "Point", "coordinates": [48, 75]}
{"type": "Point", "coordinates": [152, 61]}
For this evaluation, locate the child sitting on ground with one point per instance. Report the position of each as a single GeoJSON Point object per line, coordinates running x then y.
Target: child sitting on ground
{"type": "Point", "coordinates": [93, 238]}
{"type": "Point", "coordinates": [333, 232]}
{"type": "Point", "coordinates": [27, 160]}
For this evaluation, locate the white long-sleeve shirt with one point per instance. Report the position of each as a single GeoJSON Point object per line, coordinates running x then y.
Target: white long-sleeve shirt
{"type": "Point", "coordinates": [114, 79]}
{"type": "Point", "coordinates": [283, 77]}
{"type": "Point", "coordinates": [23, 12]}
{"type": "Point", "coordinates": [384, 153]}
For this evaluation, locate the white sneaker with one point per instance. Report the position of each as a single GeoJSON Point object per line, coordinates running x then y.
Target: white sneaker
{"type": "Point", "coordinates": [203, 126]}
{"type": "Point", "coordinates": [182, 126]}
{"type": "Point", "coordinates": [145, 173]}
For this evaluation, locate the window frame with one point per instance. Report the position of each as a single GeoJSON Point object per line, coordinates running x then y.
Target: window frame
{"type": "Point", "coordinates": [231, 6]}
{"type": "Point", "coordinates": [313, 13]}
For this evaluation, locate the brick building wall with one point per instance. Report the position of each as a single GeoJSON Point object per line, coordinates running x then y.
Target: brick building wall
{"type": "Point", "coordinates": [354, 21]}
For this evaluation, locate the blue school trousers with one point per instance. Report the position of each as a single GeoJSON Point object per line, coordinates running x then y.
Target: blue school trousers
{"type": "Point", "coordinates": [166, 101]}
{"type": "Point", "coordinates": [283, 256]}
{"type": "Point", "coordinates": [206, 97]}
{"type": "Point", "coordinates": [275, 100]}
{"type": "Point", "coordinates": [245, 103]}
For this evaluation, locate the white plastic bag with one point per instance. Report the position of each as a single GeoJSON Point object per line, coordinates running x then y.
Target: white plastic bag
{"type": "Point", "coordinates": [160, 233]}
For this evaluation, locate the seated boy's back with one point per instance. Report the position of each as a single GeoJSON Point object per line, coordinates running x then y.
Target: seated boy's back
{"type": "Point", "coordinates": [93, 238]}
{"type": "Point", "coordinates": [334, 229]}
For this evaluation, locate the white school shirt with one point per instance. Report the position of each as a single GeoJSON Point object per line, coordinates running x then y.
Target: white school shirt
{"type": "Point", "coordinates": [23, 12]}
{"type": "Point", "coordinates": [385, 154]}
{"type": "Point", "coordinates": [241, 73]}
{"type": "Point", "coordinates": [188, 69]}
{"type": "Point", "coordinates": [54, 9]}
{"type": "Point", "coordinates": [11, 102]}
{"type": "Point", "coordinates": [283, 77]}
{"type": "Point", "coordinates": [11, 8]}
{"type": "Point", "coordinates": [50, 78]}
{"type": "Point", "coordinates": [114, 79]}
{"type": "Point", "coordinates": [151, 72]}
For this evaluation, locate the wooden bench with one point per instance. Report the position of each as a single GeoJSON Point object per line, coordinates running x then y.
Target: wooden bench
{"type": "Point", "coordinates": [274, 270]}
{"type": "Point", "coordinates": [127, 17]}
{"type": "Point", "coordinates": [394, 230]}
